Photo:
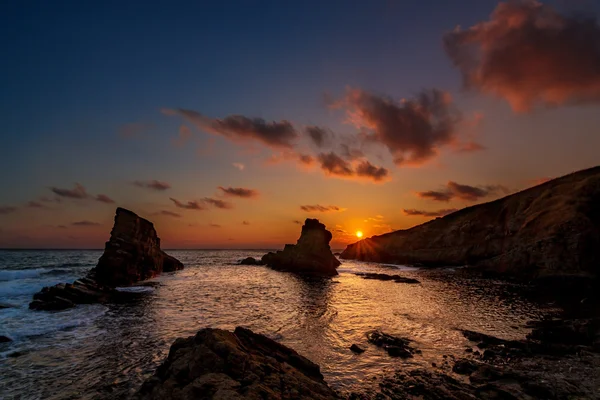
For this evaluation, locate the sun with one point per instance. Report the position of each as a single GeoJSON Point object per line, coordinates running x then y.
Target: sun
{"type": "Point", "coordinates": [358, 234]}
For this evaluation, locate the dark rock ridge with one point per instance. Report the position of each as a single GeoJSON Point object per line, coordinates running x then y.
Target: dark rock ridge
{"type": "Point", "coordinates": [311, 255]}
{"type": "Point", "coordinates": [550, 230]}
{"type": "Point", "coordinates": [395, 346]}
{"type": "Point", "coordinates": [386, 277]}
{"type": "Point", "coordinates": [132, 254]}
{"type": "Point", "coordinates": [218, 364]}
{"type": "Point", "coordinates": [251, 261]}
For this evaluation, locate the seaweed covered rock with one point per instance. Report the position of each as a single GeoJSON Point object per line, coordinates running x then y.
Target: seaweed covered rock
{"type": "Point", "coordinates": [311, 255]}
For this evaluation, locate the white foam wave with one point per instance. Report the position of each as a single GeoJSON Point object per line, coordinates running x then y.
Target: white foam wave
{"type": "Point", "coordinates": [136, 289]}
{"type": "Point", "coordinates": [11, 275]}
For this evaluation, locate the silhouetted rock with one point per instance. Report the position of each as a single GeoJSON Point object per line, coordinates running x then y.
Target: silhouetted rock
{"type": "Point", "coordinates": [250, 261]}
{"type": "Point", "coordinates": [218, 364]}
{"type": "Point", "coordinates": [356, 349]}
{"type": "Point", "coordinates": [311, 255]}
{"type": "Point", "coordinates": [568, 331]}
{"type": "Point", "coordinates": [132, 254]}
{"type": "Point", "coordinates": [552, 229]}
{"type": "Point", "coordinates": [5, 339]}
{"type": "Point", "coordinates": [386, 277]}
{"type": "Point", "coordinates": [395, 346]}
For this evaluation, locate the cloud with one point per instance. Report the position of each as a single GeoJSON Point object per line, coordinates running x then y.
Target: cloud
{"type": "Point", "coordinates": [102, 198]}
{"type": "Point", "coordinates": [7, 210]}
{"type": "Point", "coordinates": [61, 227]}
{"type": "Point", "coordinates": [367, 170]}
{"type": "Point", "coordinates": [463, 192]}
{"type": "Point", "coordinates": [214, 225]}
{"type": "Point", "coordinates": [297, 222]}
{"type": "Point", "coordinates": [85, 223]}
{"type": "Point", "coordinates": [239, 192]}
{"type": "Point", "coordinates": [218, 203]}
{"type": "Point", "coordinates": [135, 129]}
{"type": "Point", "coordinates": [78, 192]}
{"type": "Point", "coordinates": [306, 159]}
{"type": "Point", "coordinates": [334, 165]}
{"type": "Point", "coordinates": [470, 147]}
{"type": "Point", "coordinates": [153, 184]}
{"type": "Point", "coordinates": [167, 213]}
{"type": "Point", "coordinates": [50, 200]}
{"type": "Point", "coordinates": [320, 208]}
{"type": "Point", "coordinates": [239, 166]}
{"type": "Point", "coordinates": [183, 136]}
{"type": "Point", "coordinates": [318, 135]}
{"type": "Point", "coordinates": [412, 130]}
{"type": "Point", "coordinates": [239, 128]}
{"type": "Point", "coordinates": [438, 213]}
{"type": "Point", "coordinates": [190, 205]}
{"type": "Point", "coordinates": [245, 223]}
{"type": "Point", "coordinates": [529, 54]}
{"type": "Point", "coordinates": [350, 153]}
{"type": "Point", "coordinates": [35, 204]}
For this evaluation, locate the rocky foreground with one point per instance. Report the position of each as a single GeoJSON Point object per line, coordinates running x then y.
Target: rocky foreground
{"type": "Point", "coordinates": [132, 254]}
{"type": "Point", "coordinates": [217, 364]}
{"type": "Point", "coordinates": [311, 255]}
{"type": "Point", "coordinates": [549, 231]}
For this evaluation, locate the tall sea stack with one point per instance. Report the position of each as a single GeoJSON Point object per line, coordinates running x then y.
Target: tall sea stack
{"type": "Point", "coordinates": [132, 254]}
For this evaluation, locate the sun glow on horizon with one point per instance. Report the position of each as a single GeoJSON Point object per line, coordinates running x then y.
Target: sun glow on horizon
{"type": "Point", "coordinates": [359, 234]}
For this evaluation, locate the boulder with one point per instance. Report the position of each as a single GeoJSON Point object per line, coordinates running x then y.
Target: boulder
{"type": "Point", "coordinates": [386, 277]}
{"type": "Point", "coordinates": [395, 346]}
{"type": "Point", "coordinates": [356, 349]}
{"type": "Point", "coordinates": [218, 364]}
{"type": "Point", "coordinates": [550, 230]}
{"type": "Point", "coordinates": [311, 255]}
{"type": "Point", "coordinates": [132, 254]}
{"type": "Point", "coordinates": [5, 339]}
{"type": "Point", "coordinates": [250, 261]}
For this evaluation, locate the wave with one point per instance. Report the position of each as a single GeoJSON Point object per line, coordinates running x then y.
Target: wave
{"type": "Point", "coordinates": [11, 275]}
{"type": "Point", "coordinates": [136, 289]}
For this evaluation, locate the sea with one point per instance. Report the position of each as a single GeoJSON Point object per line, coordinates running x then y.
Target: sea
{"type": "Point", "coordinates": [107, 351]}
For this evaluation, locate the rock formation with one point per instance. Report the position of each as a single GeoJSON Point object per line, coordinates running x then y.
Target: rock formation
{"type": "Point", "coordinates": [550, 230]}
{"type": "Point", "coordinates": [218, 364]}
{"type": "Point", "coordinates": [311, 255]}
{"type": "Point", "coordinates": [132, 254]}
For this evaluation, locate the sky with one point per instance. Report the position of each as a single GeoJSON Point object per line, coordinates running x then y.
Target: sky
{"type": "Point", "coordinates": [229, 123]}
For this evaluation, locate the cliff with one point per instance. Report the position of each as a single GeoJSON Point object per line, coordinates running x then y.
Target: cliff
{"type": "Point", "coordinates": [549, 230]}
{"type": "Point", "coordinates": [132, 254]}
{"type": "Point", "coordinates": [311, 255]}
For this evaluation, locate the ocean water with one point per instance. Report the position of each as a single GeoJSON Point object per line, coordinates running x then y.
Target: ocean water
{"type": "Point", "coordinates": [107, 351]}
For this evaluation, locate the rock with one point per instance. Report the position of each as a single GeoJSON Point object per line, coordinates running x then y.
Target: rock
{"type": "Point", "coordinates": [218, 364]}
{"type": "Point", "coordinates": [311, 255]}
{"type": "Point", "coordinates": [250, 261]}
{"type": "Point", "coordinates": [4, 305]}
{"type": "Point", "coordinates": [464, 366]}
{"type": "Point", "coordinates": [567, 331]}
{"type": "Point", "coordinates": [132, 254]}
{"type": "Point", "coordinates": [356, 349]}
{"type": "Point", "coordinates": [15, 354]}
{"type": "Point", "coordinates": [395, 346]}
{"type": "Point", "coordinates": [5, 339]}
{"type": "Point", "coordinates": [550, 230]}
{"type": "Point", "coordinates": [386, 277]}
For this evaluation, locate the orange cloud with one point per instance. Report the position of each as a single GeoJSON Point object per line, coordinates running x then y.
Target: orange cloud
{"type": "Point", "coordinates": [153, 184]}
{"type": "Point", "coordinates": [422, 213]}
{"type": "Point", "coordinates": [529, 54]}
{"type": "Point", "coordinates": [412, 130]}
{"type": "Point", "coordinates": [320, 208]}
{"type": "Point", "coordinates": [463, 192]}
{"type": "Point", "coordinates": [239, 192]}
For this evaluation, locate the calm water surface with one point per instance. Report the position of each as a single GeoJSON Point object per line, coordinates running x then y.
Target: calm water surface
{"type": "Point", "coordinates": [96, 351]}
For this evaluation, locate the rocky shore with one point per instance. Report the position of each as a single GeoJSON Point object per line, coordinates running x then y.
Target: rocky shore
{"type": "Point", "coordinates": [132, 254]}
{"type": "Point", "coordinates": [548, 231]}
{"type": "Point", "coordinates": [311, 255]}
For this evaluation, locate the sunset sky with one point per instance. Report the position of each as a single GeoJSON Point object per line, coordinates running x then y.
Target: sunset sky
{"type": "Point", "coordinates": [229, 123]}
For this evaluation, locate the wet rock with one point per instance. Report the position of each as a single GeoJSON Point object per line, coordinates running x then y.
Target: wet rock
{"type": "Point", "coordinates": [217, 364]}
{"type": "Point", "coordinates": [464, 366]}
{"type": "Point", "coordinates": [311, 255]}
{"type": "Point", "coordinates": [15, 354]}
{"type": "Point", "coordinates": [4, 305]}
{"type": "Point", "coordinates": [567, 331]}
{"type": "Point", "coordinates": [5, 339]}
{"type": "Point", "coordinates": [356, 349]}
{"type": "Point", "coordinates": [132, 254]}
{"type": "Point", "coordinates": [250, 261]}
{"type": "Point", "coordinates": [550, 230]}
{"type": "Point", "coordinates": [386, 277]}
{"type": "Point", "coordinates": [395, 346]}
